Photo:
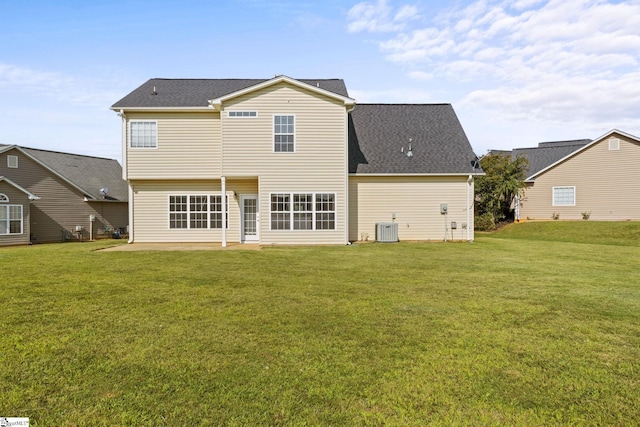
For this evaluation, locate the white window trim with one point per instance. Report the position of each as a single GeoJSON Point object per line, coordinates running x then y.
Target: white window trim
{"type": "Point", "coordinates": [254, 116]}
{"type": "Point", "coordinates": [5, 227]}
{"type": "Point", "coordinates": [553, 195]}
{"type": "Point", "coordinates": [130, 134]}
{"type": "Point", "coordinates": [273, 133]}
{"type": "Point", "coordinates": [4, 198]}
{"type": "Point", "coordinates": [12, 162]}
{"type": "Point", "coordinates": [292, 212]}
{"type": "Point", "coordinates": [188, 211]}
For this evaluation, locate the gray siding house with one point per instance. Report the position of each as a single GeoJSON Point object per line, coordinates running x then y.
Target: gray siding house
{"type": "Point", "coordinates": [73, 197]}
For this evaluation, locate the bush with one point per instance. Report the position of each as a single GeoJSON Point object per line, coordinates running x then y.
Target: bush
{"type": "Point", "coordinates": [485, 222]}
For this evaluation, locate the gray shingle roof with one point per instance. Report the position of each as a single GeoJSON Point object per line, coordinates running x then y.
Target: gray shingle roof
{"type": "Point", "coordinates": [184, 93]}
{"type": "Point", "coordinates": [377, 132]}
{"type": "Point", "coordinates": [546, 153]}
{"type": "Point", "coordinates": [85, 172]}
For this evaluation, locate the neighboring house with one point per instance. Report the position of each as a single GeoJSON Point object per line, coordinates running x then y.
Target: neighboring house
{"type": "Point", "coordinates": [293, 161]}
{"type": "Point", "coordinates": [14, 213]}
{"type": "Point", "coordinates": [595, 178]}
{"type": "Point", "coordinates": [73, 197]}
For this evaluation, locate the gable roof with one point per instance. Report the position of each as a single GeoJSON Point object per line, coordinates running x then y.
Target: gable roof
{"type": "Point", "coordinates": [379, 140]}
{"type": "Point", "coordinates": [545, 154]}
{"type": "Point", "coordinates": [25, 191]}
{"type": "Point", "coordinates": [196, 93]}
{"type": "Point", "coordinates": [86, 173]}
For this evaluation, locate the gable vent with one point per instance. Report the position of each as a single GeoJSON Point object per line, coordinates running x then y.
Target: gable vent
{"type": "Point", "coordinates": [614, 144]}
{"type": "Point", "coordinates": [12, 162]}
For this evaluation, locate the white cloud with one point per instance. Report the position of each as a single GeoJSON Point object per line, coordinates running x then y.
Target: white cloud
{"type": "Point", "coordinates": [548, 61]}
{"type": "Point", "coordinates": [48, 84]}
{"type": "Point", "coordinates": [379, 17]}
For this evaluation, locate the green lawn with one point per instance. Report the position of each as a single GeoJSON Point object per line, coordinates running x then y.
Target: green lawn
{"type": "Point", "coordinates": [514, 329]}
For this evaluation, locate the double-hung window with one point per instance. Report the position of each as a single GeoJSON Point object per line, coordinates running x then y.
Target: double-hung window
{"type": "Point", "coordinates": [564, 196]}
{"type": "Point", "coordinates": [143, 134]}
{"type": "Point", "coordinates": [303, 211]}
{"type": "Point", "coordinates": [284, 133]}
{"type": "Point", "coordinates": [10, 218]}
{"type": "Point", "coordinates": [199, 211]}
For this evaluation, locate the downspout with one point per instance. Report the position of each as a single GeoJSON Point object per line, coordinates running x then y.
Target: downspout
{"type": "Point", "coordinates": [469, 181]}
{"type": "Point", "coordinates": [130, 213]}
{"type": "Point", "coordinates": [224, 211]}
{"type": "Point", "coordinates": [124, 144]}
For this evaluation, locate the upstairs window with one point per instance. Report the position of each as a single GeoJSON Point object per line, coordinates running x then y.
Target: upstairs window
{"type": "Point", "coordinates": [143, 134]}
{"type": "Point", "coordinates": [564, 196]}
{"type": "Point", "coordinates": [4, 198]}
{"type": "Point", "coordinates": [283, 134]}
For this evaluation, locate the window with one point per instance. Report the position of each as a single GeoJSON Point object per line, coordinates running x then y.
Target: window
{"type": "Point", "coordinates": [4, 198]}
{"type": "Point", "coordinates": [283, 134]}
{"type": "Point", "coordinates": [11, 219]}
{"type": "Point", "coordinates": [564, 196]}
{"type": "Point", "coordinates": [280, 211]}
{"type": "Point", "coordinates": [197, 211]}
{"type": "Point", "coordinates": [303, 211]}
{"type": "Point", "coordinates": [325, 211]}
{"type": "Point", "coordinates": [12, 162]}
{"type": "Point", "coordinates": [144, 134]}
{"type": "Point", "coordinates": [242, 114]}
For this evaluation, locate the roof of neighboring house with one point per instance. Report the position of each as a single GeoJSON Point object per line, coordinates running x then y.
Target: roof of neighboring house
{"type": "Point", "coordinates": [186, 93]}
{"type": "Point", "coordinates": [548, 153]}
{"type": "Point", "coordinates": [88, 174]}
{"type": "Point", "coordinates": [379, 136]}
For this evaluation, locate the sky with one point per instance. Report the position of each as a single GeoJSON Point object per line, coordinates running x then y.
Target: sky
{"type": "Point", "coordinates": [517, 72]}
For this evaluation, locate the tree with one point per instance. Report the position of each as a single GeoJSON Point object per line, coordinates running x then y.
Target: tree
{"type": "Point", "coordinates": [502, 182]}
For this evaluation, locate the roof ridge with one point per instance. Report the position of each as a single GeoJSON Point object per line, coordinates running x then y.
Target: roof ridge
{"type": "Point", "coordinates": [68, 154]}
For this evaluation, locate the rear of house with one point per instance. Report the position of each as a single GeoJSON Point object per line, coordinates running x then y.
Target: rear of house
{"type": "Point", "coordinates": [15, 204]}
{"type": "Point", "coordinates": [270, 161]}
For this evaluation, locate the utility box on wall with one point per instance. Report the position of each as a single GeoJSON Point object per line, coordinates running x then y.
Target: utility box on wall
{"type": "Point", "coordinates": [387, 232]}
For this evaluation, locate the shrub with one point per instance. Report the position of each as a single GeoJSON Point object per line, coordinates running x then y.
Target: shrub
{"type": "Point", "coordinates": [485, 222]}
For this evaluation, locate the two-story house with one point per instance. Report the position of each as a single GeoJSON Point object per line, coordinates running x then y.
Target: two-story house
{"type": "Point", "coordinates": [286, 161]}
{"type": "Point", "coordinates": [50, 196]}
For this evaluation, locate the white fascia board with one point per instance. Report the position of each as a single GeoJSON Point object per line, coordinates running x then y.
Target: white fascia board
{"type": "Point", "coordinates": [417, 174]}
{"type": "Point", "coordinates": [217, 103]}
{"type": "Point", "coordinates": [24, 190]}
{"type": "Point", "coordinates": [581, 149]}
{"type": "Point", "coordinates": [159, 109]}
{"type": "Point", "coordinates": [62, 177]}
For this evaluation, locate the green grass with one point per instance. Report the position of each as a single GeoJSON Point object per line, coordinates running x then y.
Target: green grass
{"type": "Point", "coordinates": [510, 330]}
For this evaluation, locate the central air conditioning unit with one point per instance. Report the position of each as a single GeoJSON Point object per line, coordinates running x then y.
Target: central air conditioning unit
{"type": "Point", "coordinates": [386, 232]}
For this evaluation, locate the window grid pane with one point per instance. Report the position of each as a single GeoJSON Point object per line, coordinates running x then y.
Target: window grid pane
{"type": "Point", "coordinates": [198, 214]}
{"type": "Point", "coordinates": [284, 131]}
{"type": "Point", "coordinates": [563, 196]}
{"type": "Point", "coordinates": [143, 134]}
{"type": "Point", "coordinates": [280, 211]}
{"type": "Point", "coordinates": [178, 212]}
{"type": "Point", "coordinates": [325, 211]}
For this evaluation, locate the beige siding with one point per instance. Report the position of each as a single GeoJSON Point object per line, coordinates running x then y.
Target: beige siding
{"type": "Point", "coordinates": [151, 209]}
{"type": "Point", "coordinates": [61, 207]}
{"type": "Point", "coordinates": [318, 164]}
{"type": "Point", "coordinates": [606, 183]}
{"type": "Point", "coordinates": [188, 147]}
{"type": "Point", "coordinates": [415, 202]}
{"type": "Point", "coordinates": [16, 197]}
